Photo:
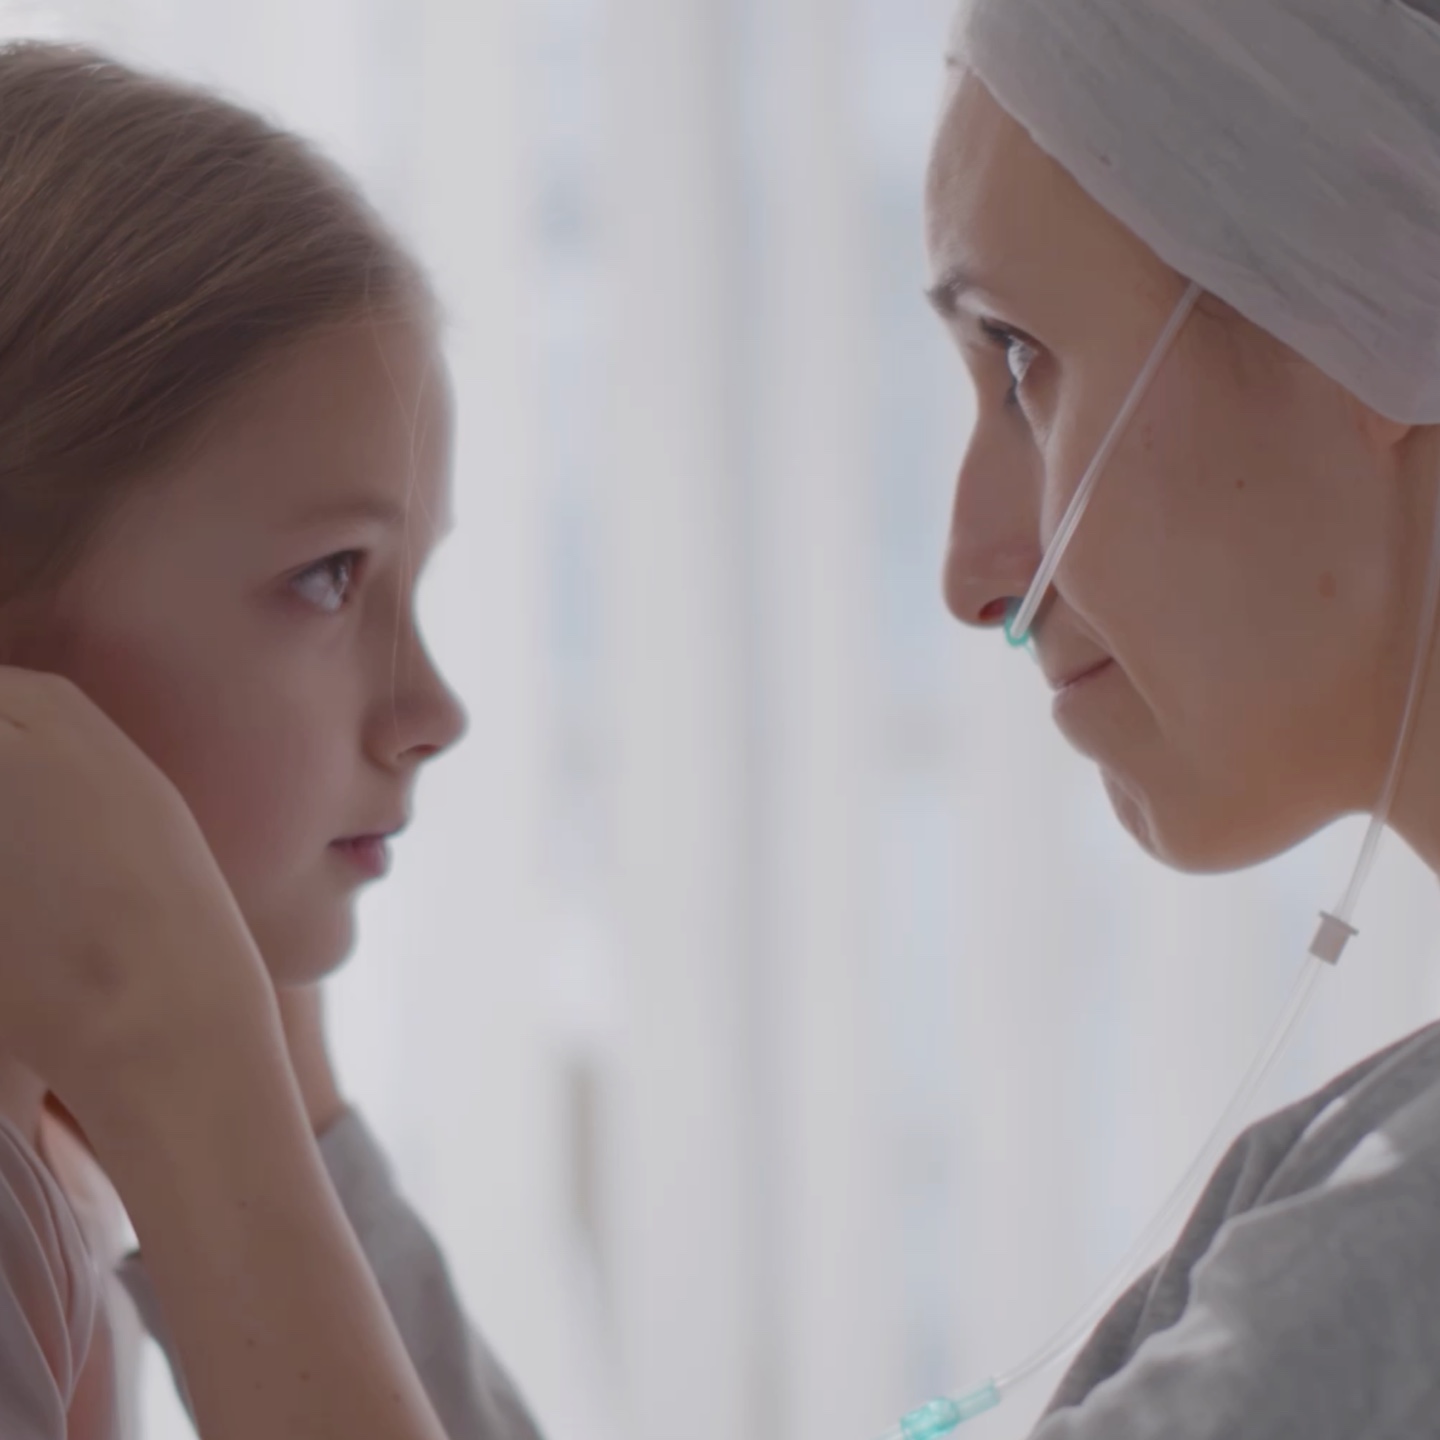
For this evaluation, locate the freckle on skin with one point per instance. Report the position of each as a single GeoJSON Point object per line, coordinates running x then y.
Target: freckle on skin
{"type": "Point", "coordinates": [1327, 586]}
{"type": "Point", "coordinates": [1239, 484]}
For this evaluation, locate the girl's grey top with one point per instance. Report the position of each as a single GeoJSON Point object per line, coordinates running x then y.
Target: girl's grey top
{"type": "Point", "coordinates": [70, 1339]}
{"type": "Point", "coordinates": [1302, 1299]}
{"type": "Point", "coordinates": [472, 1395]}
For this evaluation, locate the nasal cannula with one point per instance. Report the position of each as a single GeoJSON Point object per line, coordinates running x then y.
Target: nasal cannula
{"type": "Point", "coordinates": [940, 1417]}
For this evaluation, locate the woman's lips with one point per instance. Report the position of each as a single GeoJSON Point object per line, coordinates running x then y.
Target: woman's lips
{"type": "Point", "coordinates": [1075, 689]}
{"type": "Point", "coordinates": [1084, 675]}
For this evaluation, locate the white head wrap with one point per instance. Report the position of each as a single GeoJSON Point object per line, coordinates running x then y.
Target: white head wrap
{"type": "Point", "coordinates": [1284, 154]}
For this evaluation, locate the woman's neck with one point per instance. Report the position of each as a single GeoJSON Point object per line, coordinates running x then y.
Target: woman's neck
{"type": "Point", "coordinates": [22, 1096]}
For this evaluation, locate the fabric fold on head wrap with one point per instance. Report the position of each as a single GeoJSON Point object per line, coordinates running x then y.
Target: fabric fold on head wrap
{"type": "Point", "coordinates": [1284, 154]}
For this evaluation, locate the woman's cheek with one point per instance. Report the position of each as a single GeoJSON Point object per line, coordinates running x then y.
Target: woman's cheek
{"type": "Point", "coordinates": [1065, 463]}
{"type": "Point", "coordinates": [1069, 422]}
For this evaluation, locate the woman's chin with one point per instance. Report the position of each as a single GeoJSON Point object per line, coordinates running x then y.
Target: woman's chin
{"type": "Point", "coordinates": [1131, 813]}
{"type": "Point", "coordinates": [1200, 837]}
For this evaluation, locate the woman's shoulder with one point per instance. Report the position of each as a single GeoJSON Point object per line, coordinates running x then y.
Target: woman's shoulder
{"type": "Point", "coordinates": [1389, 1121]}
{"type": "Point", "coordinates": [1394, 1092]}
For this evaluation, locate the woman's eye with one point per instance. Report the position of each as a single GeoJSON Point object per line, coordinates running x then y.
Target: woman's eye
{"type": "Point", "coordinates": [345, 561]}
{"type": "Point", "coordinates": [1019, 356]}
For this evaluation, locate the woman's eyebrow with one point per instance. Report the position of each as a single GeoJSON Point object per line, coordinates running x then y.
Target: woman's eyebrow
{"type": "Point", "coordinates": [961, 280]}
{"type": "Point", "coordinates": [944, 295]}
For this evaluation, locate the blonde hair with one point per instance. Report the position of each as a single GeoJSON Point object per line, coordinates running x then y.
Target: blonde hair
{"type": "Point", "coordinates": [157, 244]}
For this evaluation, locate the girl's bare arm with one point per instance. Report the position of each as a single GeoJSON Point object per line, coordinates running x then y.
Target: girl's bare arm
{"type": "Point", "coordinates": [281, 1328]}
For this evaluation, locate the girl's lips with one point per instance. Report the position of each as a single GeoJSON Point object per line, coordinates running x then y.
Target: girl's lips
{"type": "Point", "coordinates": [368, 853]}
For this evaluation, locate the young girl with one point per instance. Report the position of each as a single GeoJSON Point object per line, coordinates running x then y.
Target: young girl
{"type": "Point", "coordinates": [224, 457]}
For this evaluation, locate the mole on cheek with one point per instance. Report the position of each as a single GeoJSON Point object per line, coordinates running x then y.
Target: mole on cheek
{"type": "Point", "coordinates": [1327, 586]}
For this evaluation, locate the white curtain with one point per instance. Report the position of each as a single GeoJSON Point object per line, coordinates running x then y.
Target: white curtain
{"type": "Point", "coordinates": [765, 1009]}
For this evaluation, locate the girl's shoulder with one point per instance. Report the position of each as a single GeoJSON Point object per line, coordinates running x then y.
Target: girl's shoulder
{"type": "Point", "coordinates": [49, 1291]}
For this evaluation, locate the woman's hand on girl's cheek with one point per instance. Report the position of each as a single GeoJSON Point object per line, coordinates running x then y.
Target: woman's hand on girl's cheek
{"type": "Point", "coordinates": [302, 1012]}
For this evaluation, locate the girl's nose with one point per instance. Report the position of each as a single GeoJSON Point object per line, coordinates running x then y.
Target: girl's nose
{"type": "Point", "coordinates": [429, 714]}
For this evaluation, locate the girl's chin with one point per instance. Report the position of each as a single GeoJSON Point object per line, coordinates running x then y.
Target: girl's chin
{"type": "Point", "coordinates": [301, 954]}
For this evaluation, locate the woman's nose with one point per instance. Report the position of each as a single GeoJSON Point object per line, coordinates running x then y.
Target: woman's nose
{"type": "Point", "coordinates": [994, 551]}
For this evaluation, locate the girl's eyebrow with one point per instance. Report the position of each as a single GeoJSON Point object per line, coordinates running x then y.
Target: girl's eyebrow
{"type": "Point", "coordinates": [358, 507]}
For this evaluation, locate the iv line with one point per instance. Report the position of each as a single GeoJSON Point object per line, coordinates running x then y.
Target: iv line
{"type": "Point", "coordinates": [940, 1417]}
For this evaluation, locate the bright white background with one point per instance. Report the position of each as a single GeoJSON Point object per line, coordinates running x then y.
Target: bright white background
{"type": "Point", "coordinates": [765, 1009]}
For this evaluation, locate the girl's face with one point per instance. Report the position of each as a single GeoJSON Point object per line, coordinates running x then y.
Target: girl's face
{"type": "Point", "coordinates": [1251, 561]}
{"type": "Point", "coordinates": [249, 621]}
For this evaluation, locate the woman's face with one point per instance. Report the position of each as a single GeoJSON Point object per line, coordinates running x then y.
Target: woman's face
{"type": "Point", "coordinates": [260, 644]}
{"type": "Point", "coordinates": [1251, 559]}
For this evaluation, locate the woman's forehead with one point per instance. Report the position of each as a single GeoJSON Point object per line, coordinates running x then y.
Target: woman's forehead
{"type": "Point", "coordinates": [1007, 216]}
{"type": "Point", "coordinates": [990, 187]}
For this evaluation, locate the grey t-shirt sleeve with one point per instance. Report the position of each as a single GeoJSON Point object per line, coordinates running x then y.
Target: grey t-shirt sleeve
{"type": "Point", "coordinates": [1312, 1317]}
{"type": "Point", "coordinates": [472, 1395]}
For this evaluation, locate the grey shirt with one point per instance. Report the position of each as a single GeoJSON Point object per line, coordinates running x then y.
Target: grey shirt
{"type": "Point", "coordinates": [472, 1395]}
{"type": "Point", "coordinates": [1302, 1299]}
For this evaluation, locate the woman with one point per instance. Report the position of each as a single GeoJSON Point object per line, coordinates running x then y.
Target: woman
{"type": "Point", "coordinates": [1232, 632]}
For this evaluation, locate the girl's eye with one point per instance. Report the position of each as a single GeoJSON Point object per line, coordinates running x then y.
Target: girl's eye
{"type": "Point", "coordinates": [343, 560]}
{"type": "Point", "coordinates": [1019, 356]}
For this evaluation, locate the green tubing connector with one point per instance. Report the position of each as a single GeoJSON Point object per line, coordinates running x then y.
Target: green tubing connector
{"type": "Point", "coordinates": [1012, 609]}
{"type": "Point", "coordinates": [940, 1417]}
